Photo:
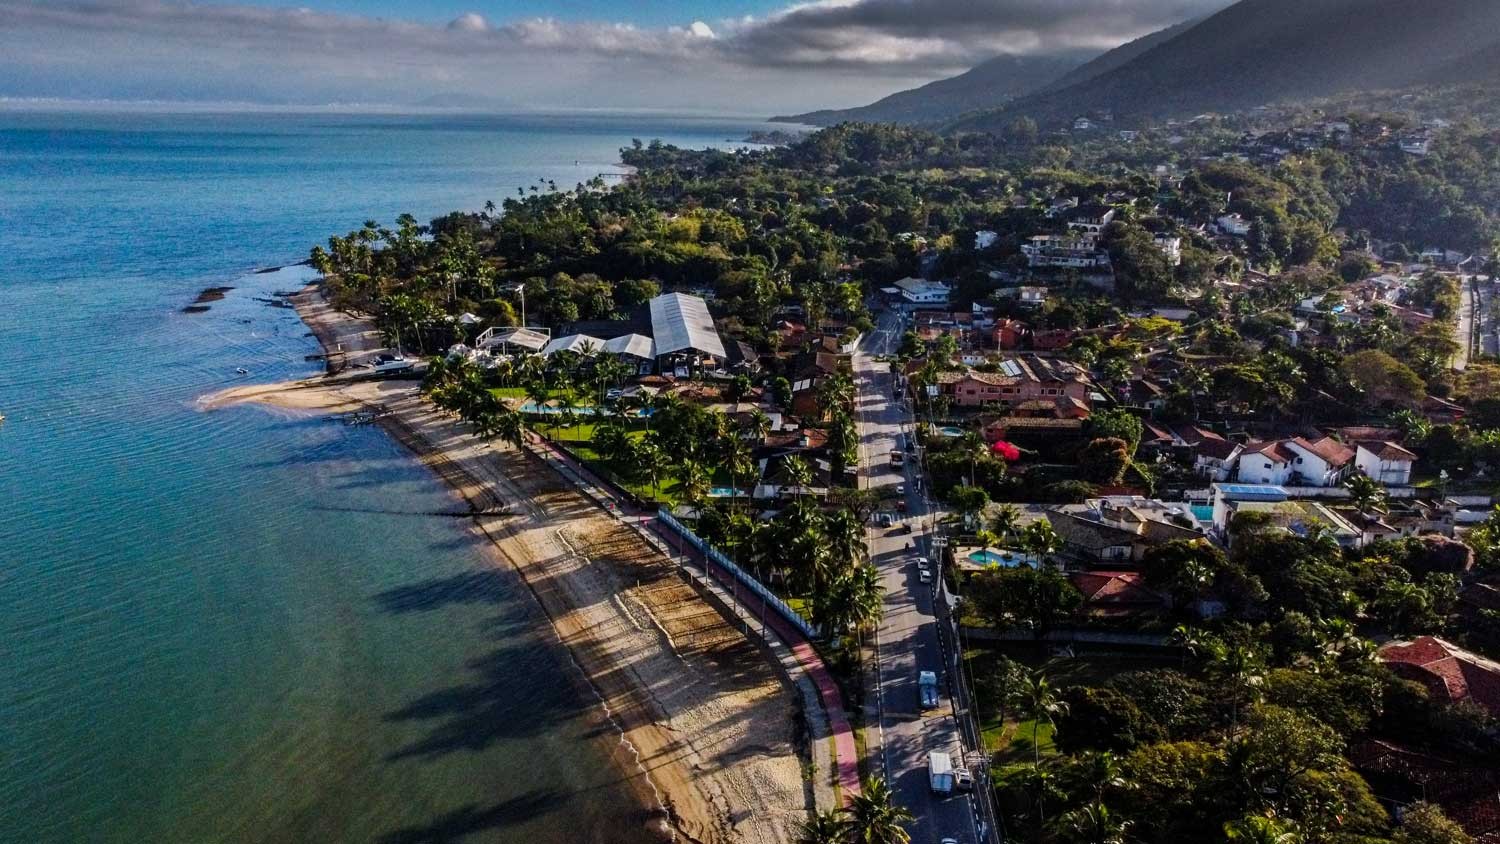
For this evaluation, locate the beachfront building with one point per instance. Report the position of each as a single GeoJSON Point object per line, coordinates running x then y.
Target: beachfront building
{"type": "Point", "coordinates": [684, 334]}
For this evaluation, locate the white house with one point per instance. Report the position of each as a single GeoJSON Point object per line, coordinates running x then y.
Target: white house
{"type": "Point", "coordinates": [1268, 463]}
{"type": "Point", "coordinates": [1074, 251]}
{"type": "Point", "coordinates": [1170, 247]}
{"type": "Point", "coordinates": [922, 293]}
{"type": "Point", "coordinates": [1322, 462]}
{"type": "Point", "coordinates": [1092, 219]}
{"type": "Point", "coordinates": [1386, 462]}
{"type": "Point", "coordinates": [1234, 225]}
{"type": "Point", "coordinates": [1216, 459]}
{"type": "Point", "coordinates": [984, 239]}
{"type": "Point", "coordinates": [1083, 124]}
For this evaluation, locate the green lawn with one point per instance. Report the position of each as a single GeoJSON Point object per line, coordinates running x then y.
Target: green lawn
{"type": "Point", "coordinates": [1009, 739]}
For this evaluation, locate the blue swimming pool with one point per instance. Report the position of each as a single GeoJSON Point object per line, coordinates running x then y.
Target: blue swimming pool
{"type": "Point", "coordinates": [1203, 512]}
{"type": "Point", "coordinates": [1003, 559]}
{"type": "Point", "coordinates": [951, 431]}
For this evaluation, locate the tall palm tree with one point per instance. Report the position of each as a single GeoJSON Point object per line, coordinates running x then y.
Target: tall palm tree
{"type": "Point", "coordinates": [758, 425]}
{"type": "Point", "coordinates": [740, 464]}
{"type": "Point", "coordinates": [972, 446]}
{"type": "Point", "coordinates": [1039, 701]}
{"type": "Point", "coordinates": [798, 474]}
{"type": "Point", "coordinates": [1094, 823]}
{"type": "Point", "coordinates": [874, 818]}
{"type": "Point", "coordinates": [823, 828]}
{"type": "Point", "coordinates": [695, 482]}
{"type": "Point", "coordinates": [846, 539]}
{"type": "Point", "coordinates": [1040, 540]}
{"type": "Point", "coordinates": [1006, 521]}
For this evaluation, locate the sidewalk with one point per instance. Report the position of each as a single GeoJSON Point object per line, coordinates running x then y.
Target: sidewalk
{"type": "Point", "coordinates": [799, 659]}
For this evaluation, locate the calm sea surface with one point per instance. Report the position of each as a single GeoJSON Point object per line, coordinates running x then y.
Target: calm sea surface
{"type": "Point", "coordinates": [244, 626]}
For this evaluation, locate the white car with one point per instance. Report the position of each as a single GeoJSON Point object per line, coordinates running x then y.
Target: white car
{"type": "Point", "coordinates": [924, 574]}
{"type": "Point", "coordinates": [900, 489]}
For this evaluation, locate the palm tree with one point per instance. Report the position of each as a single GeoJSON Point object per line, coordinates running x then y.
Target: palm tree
{"type": "Point", "coordinates": [695, 482]}
{"type": "Point", "coordinates": [823, 828]}
{"type": "Point", "coordinates": [846, 539]}
{"type": "Point", "coordinates": [567, 410]}
{"type": "Point", "coordinates": [740, 464]}
{"type": "Point", "coordinates": [649, 456]}
{"type": "Point", "coordinates": [1006, 521]}
{"type": "Point", "coordinates": [1364, 491]}
{"type": "Point", "coordinates": [1094, 824]}
{"type": "Point", "coordinates": [798, 474]}
{"type": "Point", "coordinates": [874, 818]}
{"type": "Point", "coordinates": [1038, 700]}
{"type": "Point", "coordinates": [971, 445]}
{"type": "Point", "coordinates": [1040, 540]}
{"type": "Point", "coordinates": [758, 425]}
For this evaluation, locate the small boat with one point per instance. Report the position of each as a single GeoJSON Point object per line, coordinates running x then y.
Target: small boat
{"type": "Point", "coordinates": [243, 371]}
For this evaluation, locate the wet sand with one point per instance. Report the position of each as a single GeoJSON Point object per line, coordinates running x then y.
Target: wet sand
{"type": "Point", "coordinates": [707, 729]}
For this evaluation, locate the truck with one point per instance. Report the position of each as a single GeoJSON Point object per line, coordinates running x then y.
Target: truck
{"type": "Point", "coordinates": [940, 772]}
{"type": "Point", "coordinates": [927, 690]}
{"type": "Point", "coordinates": [898, 457]}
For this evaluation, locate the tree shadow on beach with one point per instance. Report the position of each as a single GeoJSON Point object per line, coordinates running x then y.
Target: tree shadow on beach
{"type": "Point", "coordinates": [469, 820]}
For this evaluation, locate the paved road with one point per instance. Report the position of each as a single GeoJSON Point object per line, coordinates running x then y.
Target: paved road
{"type": "Point", "coordinates": [908, 637]}
{"type": "Point", "coordinates": [1469, 308]}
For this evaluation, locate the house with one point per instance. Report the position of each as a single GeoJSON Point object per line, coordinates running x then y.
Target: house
{"type": "Point", "coordinates": [1083, 124]}
{"type": "Point", "coordinates": [1450, 673]}
{"type": "Point", "coordinates": [1117, 594]}
{"type": "Point", "coordinates": [518, 339]}
{"type": "Point", "coordinates": [1060, 207]}
{"type": "Point", "coordinates": [1234, 225]}
{"type": "Point", "coordinates": [1007, 334]}
{"type": "Point", "coordinates": [1031, 297]}
{"type": "Point", "coordinates": [1418, 145]}
{"type": "Point", "coordinates": [1171, 247]}
{"type": "Point", "coordinates": [1091, 219]}
{"type": "Point", "coordinates": [1052, 339]}
{"type": "Point", "coordinates": [1300, 518]}
{"type": "Point", "coordinates": [1384, 461]}
{"type": "Point", "coordinates": [1227, 499]}
{"type": "Point", "coordinates": [984, 239]}
{"type": "Point", "coordinates": [1323, 462]}
{"type": "Point", "coordinates": [1216, 459]}
{"type": "Point", "coordinates": [1064, 250]}
{"type": "Point", "coordinates": [1268, 463]}
{"type": "Point", "coordinates": [1019, 379]}
{"type": "Point", "coordinates": [1120, 529]}
{"type": "Point", "coordinates": [920, 293]}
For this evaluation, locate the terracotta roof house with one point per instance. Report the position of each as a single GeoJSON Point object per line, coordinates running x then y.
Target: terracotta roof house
{"type": "Point", "coordinates": [1468, 793]}
{"type": "Point", "coordinates": [1117, 594]}
{"type": "Point", "coordinates": [1450, 673]}
{"type": "Point", "coordinates": [1322, 462]}
{"type": "Point", "coordinates": [1020, 379]}
{"type": "Point", "coordinates": [1385, 461]}
{"type": "Point", "coordinates": [1265, 463]}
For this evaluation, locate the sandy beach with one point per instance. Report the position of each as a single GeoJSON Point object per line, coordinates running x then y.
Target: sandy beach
{"type": "Point", "coordinates": [707, 728]}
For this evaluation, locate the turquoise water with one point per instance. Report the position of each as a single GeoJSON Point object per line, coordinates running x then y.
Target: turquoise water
{"type": "Point", "coordinates": [1003, 559]}
{"type": "Point", "coordinates": [244, 626]}
{"type": "Point", "coordinates": [1203, 512]}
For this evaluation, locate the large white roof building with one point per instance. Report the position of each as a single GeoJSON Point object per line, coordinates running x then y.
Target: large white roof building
{"type": "Point", "coordinates": [681, 323]}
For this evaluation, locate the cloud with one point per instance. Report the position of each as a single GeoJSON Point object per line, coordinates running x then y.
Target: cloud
{"type": "Point", "coordinates": [819, 53]}
{"type": "Point", "coordinates": [470, 22]}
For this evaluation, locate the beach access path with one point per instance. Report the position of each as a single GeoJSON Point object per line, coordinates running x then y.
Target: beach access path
{"type": "Point", "coordinates": [707, 732]}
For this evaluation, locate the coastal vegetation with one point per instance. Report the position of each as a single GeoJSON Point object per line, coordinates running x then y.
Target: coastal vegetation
{"type": "Point", "coordinates": [1260, 722]}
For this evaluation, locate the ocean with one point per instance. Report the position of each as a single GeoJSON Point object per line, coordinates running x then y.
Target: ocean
{"type": "Point", "coordinates": [250, 626]}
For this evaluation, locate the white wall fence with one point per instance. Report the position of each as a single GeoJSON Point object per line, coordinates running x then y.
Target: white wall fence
{"type": "Point", "coordinates": [740, 574]}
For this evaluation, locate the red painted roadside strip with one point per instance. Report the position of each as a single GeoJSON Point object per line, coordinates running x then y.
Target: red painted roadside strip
{"type": "Point", "coordinates": [845, 753]}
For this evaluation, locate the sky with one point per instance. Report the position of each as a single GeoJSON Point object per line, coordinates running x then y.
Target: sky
{"type": "Point", "coordinates": [749, 57]}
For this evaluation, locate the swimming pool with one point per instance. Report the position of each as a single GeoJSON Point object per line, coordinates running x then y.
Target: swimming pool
{"type": "Point", "coordinates": [1002, 558]}
{"type": "Point", "coordinates": [1203, 512]}
{"type": "Point", "coordinates": [951, 431]}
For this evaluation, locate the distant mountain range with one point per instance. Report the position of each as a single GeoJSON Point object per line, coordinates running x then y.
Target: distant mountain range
{"type": "Point", "coordinates": [987, 85]}
{"type": "Point", "coordinates": [1251, 53]}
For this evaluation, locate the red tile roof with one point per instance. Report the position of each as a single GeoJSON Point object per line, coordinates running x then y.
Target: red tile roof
{"type": "Point", "coordinates": [1386, 450]}
{"type": "Point", "coordinates": [1449, 672]}
{"type": "Point", "coordinates": [1273, 449]}
{"type": "Point", "coordinates": [1333, 452]}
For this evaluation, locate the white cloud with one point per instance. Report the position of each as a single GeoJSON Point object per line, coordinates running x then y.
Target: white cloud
{"type": "Point", "coordinates": [829, 52]}
{"type": "Point", "coordinates": [470, 22]}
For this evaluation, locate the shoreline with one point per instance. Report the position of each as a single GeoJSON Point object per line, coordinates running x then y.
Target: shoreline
{"type": "Point", "coordinates": [707, 729]}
